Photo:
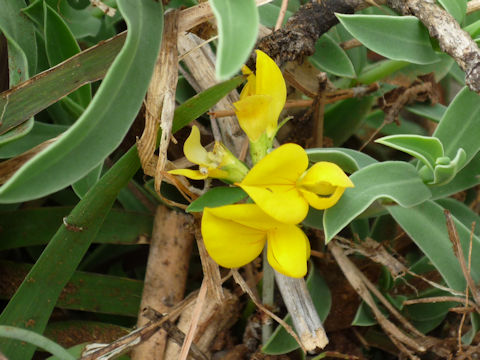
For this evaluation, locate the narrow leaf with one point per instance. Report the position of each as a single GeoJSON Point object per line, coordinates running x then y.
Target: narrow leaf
{"type": "Point", "coordinates": [386, 35]}
{"type": "Point", "coordinates": [349, 160]}
{"type": "Point", "coordinates": [459, 127]}
{"type": "Point", "coordinates": [393, 180]}
{"type": "Point", "coordinates": [426, 226]}
{"type": "Point", "coordinates": [218, 196]}
{"type": "Point", "coordinates": [330, 57]}
{"type": "Point", "coordinates": [104, 123]}
{"type": "Point", "coordinates": [237, 31]}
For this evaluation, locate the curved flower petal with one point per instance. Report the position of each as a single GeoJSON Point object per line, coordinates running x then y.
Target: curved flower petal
{"type": "Point", "coordinates": [283, 166]}
{"type": "Point", "coordinates": [270, 82]}
{"type": "Point", "coordinates": [322, 174]}
{"type": "Point", "coordinates": [284, 203]}
{"type": "Point", "coordinates": [193, 149]}
{"type": "Point", "coordinates": [322, 202]}
{"type": "Point", "coordinates": [288, 250]}
{"type": "Point", "coordinates": [192, 174]}
{"type": "Point", "coordinates": [229, 242]}
{"type": "Point", "coordinates": [254, 115]}
{"type": "Point", "coordinates": [250, 86]}
{"type": "Point", "coordinates": [271, 184]}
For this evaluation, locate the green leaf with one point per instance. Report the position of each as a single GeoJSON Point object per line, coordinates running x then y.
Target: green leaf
{"type": "Point", "coordinates": [21, 103]}
{"type": "Point", "coordinates": [466, 178]}
{"type": "Point", "coordinates": [349, 160]}
{"type": "Point", "coordinates": [425, 224]}
{"type": "Point", "coordinates": [17, 132]}
{"type": "Point", "coordinates": [28, 227]}
{"type": "Point", "coordinates": [218, 196]}
{"type": "Point", "coordinates": [197, 105]}
{"type": "Point", "coordinates": [20, 35]}
{"type": "Point", "coordinates": [268, 13]}
{"type": "Point", "coordinates": [386, 36]}
{"type": "Point", "coordinates": [375, 120]}
{"type": "Point", "coordinates": [237, 23]}
{"type": "Point", "coordinates": [459, 127]}
{"type": "Point", "coordinates": [282, 342]}
{"type": "Point", "coordinates": [82, 186]}
{"type": "Point", "coordinates": [456, 8]}
{"type": "Point", "coordinates": [60, 45]}
{"type": "Point", "coordinates": [104, 123]}
{"type": "Point", "coordinates": [394, 180]}
{"type": "Point", "coordinates": [32, 337]}
{"type": "Point", "coordinates": [39, 133]}
{"type": "Point", "coordinates": [446, 169]}
{"type": "Point", "coordinates": [364, 316]}
{"type": "Point", "coordinates": [330, 57]}
{"type": "Point", "coordinates": [434, 112]}
{"type": "Point", "coordinates": [462, 213]}
{"type": "Point", "coordinates": [37, 295]}
{"type": "Point", "coordinates": [379, 70]}
{"type": "Point", "coordinates": [344, 118]}
{"type": "Point", "coordinates": [425, 148]}
{"type": "Point", "coordinates": [98, 293]}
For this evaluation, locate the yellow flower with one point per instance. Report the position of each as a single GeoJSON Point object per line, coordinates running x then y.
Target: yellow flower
{"type": "Point", "coordinates": [234, 235]}
{"type": "Point", "coordinates": [281, 185]}
{"type": "Point", "coordinates": [262, 99]}
{"type": "Point", "coordinates": [219, 163]}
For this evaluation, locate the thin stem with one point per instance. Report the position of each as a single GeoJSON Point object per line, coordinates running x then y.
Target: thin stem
{"type": "Point", "coordinates": [268, 288]}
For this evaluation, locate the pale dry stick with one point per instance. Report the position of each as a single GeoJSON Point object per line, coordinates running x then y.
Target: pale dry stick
{"type": "Point", "coordinates": [181, 57]}
{"type": "Point", "coordinates": [169, 72]}
{"type": "Point", "coordinates": [351, 273]}
{"type": "Point", "coordinates": [107, 10]}
{"type": "Point", "coordinates": [166, 274]}
{"type": "Point", "coordinates": [435, 299]}
{"type": "Point", "coordinates": [472, 6]}
{"type": "Point", "coordinates": [452, 39]}
{"type": "Point", "coordinates": [202, 295]}
{"type": "Point", "coordinates": [127, 342]}
{"type": "Point", "coordinates": [305, 318]}
{"type": "Point", "coordinates": [246, 289]}
{"type": "Point", "coordinates": [281, 14]}
{"type": "Point", "coordinates": [201, 64]}
{"type": "Point", "coordinates": [350, 44]}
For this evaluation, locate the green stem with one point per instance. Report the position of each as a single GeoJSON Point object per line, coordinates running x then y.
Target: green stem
{"type": "Point", "coordinates": [268, 287]}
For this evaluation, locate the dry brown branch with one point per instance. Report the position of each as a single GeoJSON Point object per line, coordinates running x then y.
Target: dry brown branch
{"type": "Point", "coordinates": [214, 320]}
{"type": "Point", "coordinates": [243, 285]}
{"type": "Point", "coordinates": [452, 39]}
{"type": "Point", "coordinates": [160, 104]}
{"type": "Point", "coordinates": [201, 64]}
{"type": "Point", "coordinates": [136, 337]}
{"type": "Point", "coordinates": [174, 333]}
{"type": "Point", "coordinates": [359, 282]}
{"type": "Point", "coordinates": [435, 299]}
{"type": "Point", "coordinates": [166, 274]}
{"type": "Point", "coordinates": [297, 38]}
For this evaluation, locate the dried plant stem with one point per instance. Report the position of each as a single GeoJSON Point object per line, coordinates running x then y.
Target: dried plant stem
{"type": "Point", "coordinates": [166, 275]}
{"type": "Point", "coordinates": [281, 14]}
{"type": "Point", "coordinates": [305, 318]}
{"type": "Point", "coordinates": [268, 289]}
{"type": "Point", "coordinates": [472, 6]}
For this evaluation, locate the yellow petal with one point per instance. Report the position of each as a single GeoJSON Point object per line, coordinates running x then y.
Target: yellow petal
{"type": "Point", "coordinates": [284, 203]}
{"type": "Point", "coordinates": [193, 149]}
{"type": "Point", "coordinates": [250, 86]}
{"type": "Point", "coordinates": [322, 202]}
{"type": "Point", "coordinates": [270, 82]}
{"type": "Point", "coordinates": [192, 174]}
{"type": "Point", "coordinates": [322, 174]}
{"type": "Point", "coordinates": [228, 242]}
{"type": "Point", "coordinates": [271, 183]}
{"type": "Point", "coordinates": [288, 251]}
{"type": "Point", "coordinates": [254, 115]}
{"type": "Point", "coordinates": [283, 166]}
